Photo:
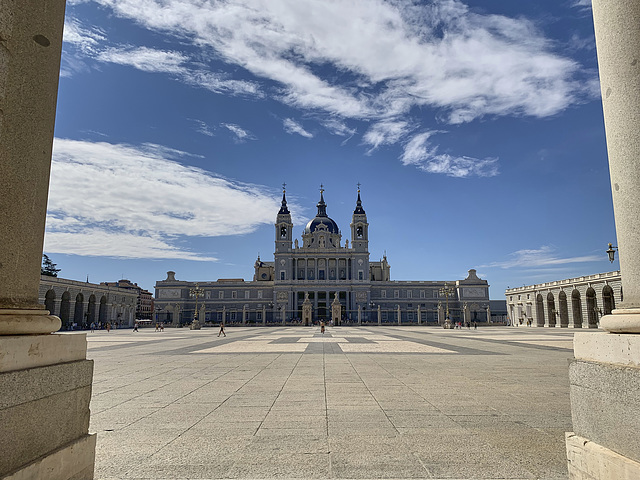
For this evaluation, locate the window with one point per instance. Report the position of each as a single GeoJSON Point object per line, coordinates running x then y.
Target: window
{"type": "Point", "coordinates": [360, 275]}
{"type": "Point", "coordinates": [259, 293]}
{"type": "Point", "coordinates": [310, 274]}
{"type": "Point", "coordinates": [301, 274]}
{"type": "Point", "coordinates": [207, 294]}
{"type": "Point", "coordinates": [320, 274]}
{"type": "Point", "coordinates": [396, 294]}
{"type": "Point", "coordinates": [246, 294]}
{"type": "Point", "coordinates": [258, 315]}
{"type": "Point", "coordinates": [232, 316]}
{"type": "Point", "coordinates": [422, 294]}
{"type": "Point", "coordinates": [409, 294]}
{"type": "Point", "coordinates": [409, 315]}
{"type": "Point", "coordinates": [528, 296]}
{"type": "Point", "coordinates": [383, 294]}
{"type": "Point", "coordinates": [221, 294]}
{"type": "Point", "coordinates": [234, 294]}
{"type": "Point", "coordinates": [282, 275]}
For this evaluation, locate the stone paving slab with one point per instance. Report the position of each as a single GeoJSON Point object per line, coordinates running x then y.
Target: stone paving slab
{"type": "Point", "coordinates": [356, 402]}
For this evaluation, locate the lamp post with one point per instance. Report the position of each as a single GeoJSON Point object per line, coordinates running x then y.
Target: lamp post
{"type": "Point", "coordinates": [447, 292]}
{"type": "Point", "coordinates": [611, 251]}
{"type": "Point", "coordinates": [196, 292]}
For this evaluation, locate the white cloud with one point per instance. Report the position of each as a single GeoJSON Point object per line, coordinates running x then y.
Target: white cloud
{"type": "Point", "coordinates": [240, 133]}
{"type": "Point", "coordinates": [370, 60]}
{"type": "Point", "coordinates": [419, 152]}
{"type": "Point", "coordinates": [483, 65]}
{"type": "Point", "coordinates": [291, 126]}
{"type": "Point", "coordinates": [203, 128]}
{"type": "Point", "coordinates": [544, 256]}
{"type": "Point", "coordinates": [125, 201]}
{"type": "Point", "coordinates": [337, 127]}
{"type": "Point", "coordinates": [145, 59]}
{"type": "Point", "coordinates": [87, 39]}
{"type": "Point", "coordinates": [385, 133]}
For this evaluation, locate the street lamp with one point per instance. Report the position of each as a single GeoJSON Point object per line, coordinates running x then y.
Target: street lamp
{"type": "Point", "coordinates": [447, 292]}
{"type": "Point", "coordinates": [196, 292]}
{"type": "Point", "coordinates": [611, 251]}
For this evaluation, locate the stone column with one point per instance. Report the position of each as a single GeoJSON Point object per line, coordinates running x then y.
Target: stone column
{"type": "Point", "coordinates": [617, 27]}
{"type": "Point", "coordinates": [30, 46]}
{"type": "Point", "coordinates": [45, 379]}
{"type": "Point", "coordinates": [419, 316]}
{"type": "Point", "coordinates": [605, 373]}
{"type": "Point", "coordinates": [264, 315]}
{"type": "Point", "coordinates": [359, 315]}
{"type": "Point", "coordinates": [399, 316]}
{"type": "Point", "coordinates": [379, 315]}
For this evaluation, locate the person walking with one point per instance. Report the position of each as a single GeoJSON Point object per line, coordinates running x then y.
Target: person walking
{"type": "Point", "coordinates": [222, 330]}
{"type": "Point", "coordinates": [93, 327]}
{"type": "Point", "coordinates": [322, 327]}
{"type": "Point", "coordinates": [108, 327]}
{"type": "Point", "coordinates": [135, 327]}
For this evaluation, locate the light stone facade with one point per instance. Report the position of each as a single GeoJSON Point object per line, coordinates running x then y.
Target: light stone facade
{"type": "Point", "coordinates": [83, 303]}
{"type": "Point", "coordinates": [321, 268]}
{"type": "Point", "coordinates": [574, 302]}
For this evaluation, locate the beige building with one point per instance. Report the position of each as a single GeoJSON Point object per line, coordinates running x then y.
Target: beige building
{"type": "Point", "coordinates": [575, 302]}
{"type": "Point", "coordinates": [330, 272]}
{"type": "Point", "coordinates": [78, 304]}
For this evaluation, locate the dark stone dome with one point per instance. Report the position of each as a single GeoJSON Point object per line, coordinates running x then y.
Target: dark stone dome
{"type": "Point", "coordinates": [313, 225]}
{"type": "Point", "coordinates": [322, 219]}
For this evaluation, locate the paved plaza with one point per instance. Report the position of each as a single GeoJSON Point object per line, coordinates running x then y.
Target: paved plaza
{"type": "Point", "coordinates": [356, 402]}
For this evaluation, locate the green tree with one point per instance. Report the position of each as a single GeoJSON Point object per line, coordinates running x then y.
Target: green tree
{"type": "Point", "coordinates": [48, 267]}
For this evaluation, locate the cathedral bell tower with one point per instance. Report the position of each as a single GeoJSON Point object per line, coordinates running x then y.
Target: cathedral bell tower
{"type": "Point", "coordinates": [359, 228]}
{"type": "Point", "coordinates": [284, 227]}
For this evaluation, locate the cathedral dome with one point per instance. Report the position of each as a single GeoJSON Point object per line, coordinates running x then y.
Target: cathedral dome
{"type": "Point", "coordinates": [318, 222]}
{"type": "Point", "coordinates": [322, 220]}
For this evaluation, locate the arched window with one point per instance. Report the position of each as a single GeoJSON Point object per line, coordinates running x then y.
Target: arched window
{"type": "Point", "coordinates": [65, 308]}
{"type": "Point", "coordinates": [608, 301]}
{"type": "Point", "coordinates": [592, 308]}
{"type": "Point", "coordinates": [551, 309]}
{"type": "Point", "coordinates": [576, 308]}
{"type": "Point", "coordinates": [540, 311]}
{"type": "Point", "coordinates": [564, 310]}
{"type": "Point", "coordinates": [50, 301]}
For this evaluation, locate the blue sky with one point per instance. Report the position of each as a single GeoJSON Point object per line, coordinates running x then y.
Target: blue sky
{"type": "Point", "coordinates": [474, 127]}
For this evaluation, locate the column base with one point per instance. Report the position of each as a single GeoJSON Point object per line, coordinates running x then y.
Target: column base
{"type": "Point", "coordinates": [27, 322]}
{"type": "Point", "coordinates": [623, 320]}
{"type": "Point", "coordinates": [74, 461]}
{"type": "Point", "coordinates": [587, 460]}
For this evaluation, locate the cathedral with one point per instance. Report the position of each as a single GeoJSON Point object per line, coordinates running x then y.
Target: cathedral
{"type": "Point", "coordinates": [325, 279]}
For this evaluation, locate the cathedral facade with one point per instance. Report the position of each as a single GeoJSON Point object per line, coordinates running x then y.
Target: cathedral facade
{"type": "Point", "coordinates": [332, 278]}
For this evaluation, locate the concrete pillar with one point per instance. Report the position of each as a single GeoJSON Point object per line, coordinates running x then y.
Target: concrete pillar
{"type": "Point", "coordinates": [605, 372]}
{"type": "Point", "coordinates": [264, 315]}
{"type": "Point", "coordinates": [399, 316]}
{"type": "Point", "coordinates": [379, 315]}
{"type": "Point", "coordinates": [30, 46]}
{"type": "Point", "coordinates": [419, 316]}
{"type": "Point", "coordinates": [359, 315]}
{"type": "Point", "coordinates": [45, 379]}
{"type": "Point", "coordinates": [617, 28]}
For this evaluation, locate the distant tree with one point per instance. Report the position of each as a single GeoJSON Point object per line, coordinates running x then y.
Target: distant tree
{"type": "Point", "coordinates": [48, 267]}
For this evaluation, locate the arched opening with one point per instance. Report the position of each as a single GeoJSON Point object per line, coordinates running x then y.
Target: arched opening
{"type": "Point", "coordinates": [65, 308]}
{"type": "Point", "coordinates": [608, 301]}
{"type": "Point", "coordinates": [564, 310]}
{"type": "Point", "coordinates": [576, 309]}
{"type": "Point", "coordinates": [78, 311]}
{"type": "Point", "coordinates": [592, 308]}
{"type": "Point", "coordinates": [539, 311]}
{"type": "Point", "coordinates": [50, 301]}
{"type": "Point", "coordinates": [551, 309]}
{"type": "Point", "coordinates": [91, 310]}
{"type": "Point", "coordinates": [102, 312]}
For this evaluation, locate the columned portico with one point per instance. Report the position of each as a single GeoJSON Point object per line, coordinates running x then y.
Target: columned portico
{"type": "Point", "coordinates": [45, 379]}
{"type": "Point", "coordinates": [606, 371]}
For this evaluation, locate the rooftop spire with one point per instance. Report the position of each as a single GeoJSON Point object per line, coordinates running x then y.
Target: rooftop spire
{"type": "Point", "coordinates": [359, 209]}
{"type": "Point", "coordinates": [322, 207]}
{"type": "Point", "coordinates": [283, 207]}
